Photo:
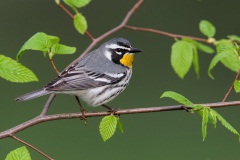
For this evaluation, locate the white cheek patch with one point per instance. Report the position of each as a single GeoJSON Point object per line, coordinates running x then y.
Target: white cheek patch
{"type": "Point", "coordinates": [108, 55]}
{"type": "Point", "coordinates": [115, 46]}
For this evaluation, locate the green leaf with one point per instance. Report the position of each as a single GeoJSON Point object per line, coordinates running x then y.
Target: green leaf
{"type": "Point", "coordinates": [234, 38]}
{"type": "Point", "coordinates": [237, 47]}
{"type": "Point", "coordinates": [205, 48]}
{"type": "Point", "coordinates": [120, 125]}
{"type": "Point", "coordinates": [207, 28]}
{"type": "Point", "coordinates": [80, 23]}
{"type": "Point", "coordinates": [182, 57]}
{"type": "Point", "coordinates": [62, 49]}
{"type": "Point", "coordinates": [202, 47]}
{"type": "Point", "coordinates": [237, 85]}
{"type": "Point", "coordinates": [39, 41]}
{"type": "Point", "coordinates": [19, 154]}
{"type": "Point", "coordinates": [196, 63]}
{"type": "Point", "coordinates": [108, 127]}
{"type": "Point", "coordinates": [226, 54]}
{"type": "Point", "coordinates": [178, 97]}
{"type": "Point", "coordinates": [77, 3]}
{"type": "Point", "coordinates": [211, 115]}
{"type": "Point", "coordinates": [74, 8]}
{"type": "Point", "coordinates": [231, 61]}
{"type": "Point", "coordinates": [13, 71]}
{"type": "Point", "coordinates": [53, 39]}
{"type": "Point", "coordinates": [214, 61]}
{"type": "Point", "coordinates": [225, 123]}
{"type": "Point", "coordinates": [204, 122]}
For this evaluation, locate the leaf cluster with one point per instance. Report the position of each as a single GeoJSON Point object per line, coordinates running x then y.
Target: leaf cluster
{"type": "Point", "coordinates": [14, 71]}
{"type": "Point", "coordinates": [47, 44]}
{"type": "Point", "coordinates": [208, 115]}
{"type": "Point", "coordinates": [184, 52]}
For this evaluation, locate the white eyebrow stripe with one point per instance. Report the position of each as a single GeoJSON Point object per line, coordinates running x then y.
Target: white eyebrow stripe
{"type": "Point", "coordinates": [115, 46]}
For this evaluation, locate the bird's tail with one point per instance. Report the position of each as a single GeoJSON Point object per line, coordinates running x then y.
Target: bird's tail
{"type": "Point", "coordinates": [32, 95]}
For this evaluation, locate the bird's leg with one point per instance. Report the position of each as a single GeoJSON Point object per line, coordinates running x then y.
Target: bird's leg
{"type": "Point", "coordinates": [105, 106]}
{"type": "Point", "coordinates": [112, 110]}
{"type": "Point", "coordinates": [82, 110]}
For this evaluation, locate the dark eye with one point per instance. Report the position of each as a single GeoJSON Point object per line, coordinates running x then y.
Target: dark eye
{"type": "Point", "coordinates": [119, 50]}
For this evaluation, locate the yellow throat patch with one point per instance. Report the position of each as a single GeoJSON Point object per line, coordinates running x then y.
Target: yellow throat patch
{"type": "Point", "coordinates": [127, 60]}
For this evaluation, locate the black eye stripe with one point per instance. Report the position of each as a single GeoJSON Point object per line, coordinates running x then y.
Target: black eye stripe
{"type": "Point", "coordinates": [115, 56]}
{"type": "Point", "coordinates": [121, 50]}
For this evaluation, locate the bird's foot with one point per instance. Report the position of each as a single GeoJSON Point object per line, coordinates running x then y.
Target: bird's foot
{"type": "Point", "coordinates": [84, 117]}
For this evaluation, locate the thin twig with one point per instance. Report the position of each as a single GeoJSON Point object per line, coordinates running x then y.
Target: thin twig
{"type": "Point", "coordinates": [129, 14]}
{"type": "Point", "coordinates": [165, 33]}
{"type": "Point", "coordinates": [124, 22]}
{"type": "Point", "coordinates": [31, 146]}
{"type": "Point", "coordinates": [72, 16]}
{"type": "Point", "coordinates": [89, 35]}
{"type": "Point", "coordinates": [231, 88]}
{"type": "Point", "coordinates": [66, 10]}
{"type": "Point", "coordinates": [47, 105]}
{"type": "Point", "coordinates": [46, 118]}
{"type": "Point", "coordinates": [54, 67]}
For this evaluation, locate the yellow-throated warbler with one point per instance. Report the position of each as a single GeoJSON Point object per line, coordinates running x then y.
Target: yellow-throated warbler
{"type": "Point", "coordinates": [97, 78]}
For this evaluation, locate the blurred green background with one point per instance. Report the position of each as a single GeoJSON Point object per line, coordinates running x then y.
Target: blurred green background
{"type": "Point", "coordinates": [168, 135]}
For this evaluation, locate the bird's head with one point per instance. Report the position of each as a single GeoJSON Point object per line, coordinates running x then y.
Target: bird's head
{"type": "Point", "coordinates": [120, 51]}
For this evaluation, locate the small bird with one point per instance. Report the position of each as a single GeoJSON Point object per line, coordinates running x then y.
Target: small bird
{"type": "Point", "coordinates": [97, 78]}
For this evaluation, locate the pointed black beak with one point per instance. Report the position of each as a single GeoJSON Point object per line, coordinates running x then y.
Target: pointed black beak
{"type": "Point", "coordinates": [135, 50]}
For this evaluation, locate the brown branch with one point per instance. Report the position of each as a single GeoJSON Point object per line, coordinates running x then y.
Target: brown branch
{"type": "Point", "coordinates": [165, 33]}
{"type": "Point", "coordinates": [31, 146]}
{"type": "Point", "coordinates": [231, 87]}
{"type": "Point", "coordinates": [45, 118]}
